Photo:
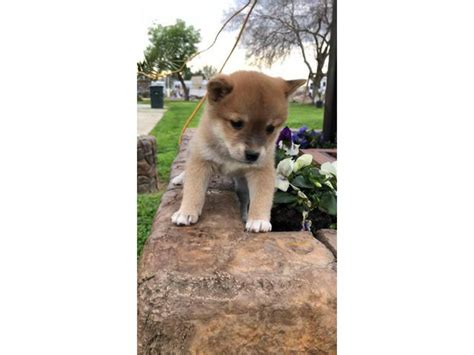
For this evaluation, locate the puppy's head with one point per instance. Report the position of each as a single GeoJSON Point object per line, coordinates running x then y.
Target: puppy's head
{"type": "Point", "coordinates": [247, 111]}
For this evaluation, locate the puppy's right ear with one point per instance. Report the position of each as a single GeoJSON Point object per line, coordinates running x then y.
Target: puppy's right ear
{"type": "Point", "coordinates": [218, 87]}
{"type": "Point", "coordinates": [292, 85]}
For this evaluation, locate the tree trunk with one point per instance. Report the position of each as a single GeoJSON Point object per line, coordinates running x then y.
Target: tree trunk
{"type": "Point", "coordinates": [319, 75]}
{"type": "Point", "coordinates": [330, 108]}
{"type": "Point", "coordinates": [317, 78]}
{"type": "Point", "coordinates": [185, 89]}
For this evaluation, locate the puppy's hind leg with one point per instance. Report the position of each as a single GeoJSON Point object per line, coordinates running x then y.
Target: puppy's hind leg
{"type": "Point", "coordinates": [242, 190]}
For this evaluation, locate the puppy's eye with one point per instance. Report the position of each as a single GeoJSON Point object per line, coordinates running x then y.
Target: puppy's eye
{"type": "Point", "coordinates": [237, 124]}
{"type": "Point", "coordinates": [270, 129]}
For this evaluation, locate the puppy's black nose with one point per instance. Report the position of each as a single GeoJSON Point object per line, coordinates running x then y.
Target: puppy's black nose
{"type": "Point", "coordinates": [251, 155]}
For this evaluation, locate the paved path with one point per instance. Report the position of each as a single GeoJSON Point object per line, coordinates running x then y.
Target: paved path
{"type": "Point", "coordinates": [147, 118]}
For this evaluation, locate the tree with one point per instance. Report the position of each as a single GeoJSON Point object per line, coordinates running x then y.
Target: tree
{"type": "Point", "coordinates": [277, 27]}
{"type": "Point", "coordinates": [170, 47]}
{"type": "Point", "coordinates": [188, 74]}
{"type": "Point", "coordinates": [209, 71]}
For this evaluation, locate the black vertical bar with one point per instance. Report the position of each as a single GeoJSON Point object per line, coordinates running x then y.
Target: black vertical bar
{"type": "Point", "coordinates": [330, 108]}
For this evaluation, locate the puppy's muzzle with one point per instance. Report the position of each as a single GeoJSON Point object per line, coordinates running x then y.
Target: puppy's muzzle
{"type": "Point", "coordinates": [251, 156]}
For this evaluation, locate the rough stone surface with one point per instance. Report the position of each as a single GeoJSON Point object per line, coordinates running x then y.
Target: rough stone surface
{"type": "Point", "coordinates": [329, 238]}
{"type": "Point", "coordinates": [146, 164]}
{"type": "Point", "coordinates": [212, 288]}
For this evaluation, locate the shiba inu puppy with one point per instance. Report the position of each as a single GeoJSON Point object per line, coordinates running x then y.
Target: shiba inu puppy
{"type": "Point", "coordinates": [244, 114]}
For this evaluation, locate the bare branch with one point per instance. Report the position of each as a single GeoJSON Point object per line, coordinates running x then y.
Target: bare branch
{"type": "Point", "coordinates": [277, 27]}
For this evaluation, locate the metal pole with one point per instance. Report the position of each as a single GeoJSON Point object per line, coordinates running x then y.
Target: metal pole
{"type": "Point", "coordinates": [330, 108]}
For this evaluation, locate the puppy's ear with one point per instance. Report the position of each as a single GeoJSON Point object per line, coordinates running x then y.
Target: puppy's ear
{"type": "Point", "coordinates": [292, 85]}
{"type": "Point", "coordinates": [218, 87]}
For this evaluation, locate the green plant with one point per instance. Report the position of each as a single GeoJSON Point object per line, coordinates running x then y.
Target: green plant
{"type": "Point", "coordinates": [302, 186]}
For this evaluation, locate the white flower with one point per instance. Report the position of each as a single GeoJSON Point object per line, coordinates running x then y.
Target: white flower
{"type": "Point", "coordinates": [329, 168]}
{"type": "Point", "coordinates": [283, 170]}
{"type": "Point", "coordinates": [293, 150]}
{"type": "Point", "coordinates": [282, 183]}
{"type": "Point", "coordinates": [285, 167]}
{"type": "Point", "coordinates": [302, 161]}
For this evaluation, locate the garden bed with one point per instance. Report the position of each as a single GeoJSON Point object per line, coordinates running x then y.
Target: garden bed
{"type": "Point", "coordinates": [306, 196]}
{"type": "Point", "coordinates": [285, 218]}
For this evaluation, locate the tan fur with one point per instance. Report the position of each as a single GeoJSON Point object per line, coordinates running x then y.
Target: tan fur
{"type": "Point", "coordinates": [258, 101]}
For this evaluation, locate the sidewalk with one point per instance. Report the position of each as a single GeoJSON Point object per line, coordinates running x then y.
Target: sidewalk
{"type": "Point", "coordinates": [147, 118]}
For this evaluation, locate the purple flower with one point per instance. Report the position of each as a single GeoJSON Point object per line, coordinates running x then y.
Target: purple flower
{"type": "Point", "coordinates": [302, 129]}
{"type": "Point", "coordinates": [285, 136]}
{"type": "Point", "coordinates": [296, 138]}
{"type": "Point", "coordinates": [304, 143]}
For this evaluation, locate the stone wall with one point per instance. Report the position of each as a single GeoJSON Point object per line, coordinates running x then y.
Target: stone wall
{"type": "Point", "coordinates": [213, 288]}
{"type": "Point", "coordinates": [146, 164]}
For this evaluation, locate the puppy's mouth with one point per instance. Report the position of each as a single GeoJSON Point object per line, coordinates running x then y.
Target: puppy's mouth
{"type": "Point", "coordinates": [245, 160]}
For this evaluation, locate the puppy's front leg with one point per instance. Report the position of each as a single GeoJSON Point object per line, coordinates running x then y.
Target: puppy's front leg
{"type": "Point", "coordinates": [261, 185]}
{"type": "Point", "coordinates": [198, 173]}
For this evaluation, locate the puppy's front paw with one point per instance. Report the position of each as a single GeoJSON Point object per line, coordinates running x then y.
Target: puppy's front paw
{"type": "Point", "coordinates": [178, 180]}
{"type": "Point", "coordinates": [258, 225]}
{"type": "Point", "coordinates": [184, 219]}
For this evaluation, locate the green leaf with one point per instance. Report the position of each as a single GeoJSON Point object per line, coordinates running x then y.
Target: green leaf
{"type": "Point", "coordinates": [328, 203]}
{"type": "Point", "coordinates": [279, 156]}
{"type": "Point", "coordinates": [315, 172]}
{"type": "Point", "coordinates": [283, 197]}
{"type": "Point", "coordinates": [300, 181]}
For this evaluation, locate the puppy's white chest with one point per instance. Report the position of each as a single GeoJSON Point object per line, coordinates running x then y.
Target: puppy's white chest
{"type": "Point", "coordinates": [230, 168]}
{"type": "Point", "coordinates": [222, 164]}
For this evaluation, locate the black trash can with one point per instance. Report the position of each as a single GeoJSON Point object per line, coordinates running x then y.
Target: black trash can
{"type": "Point", "coordinates": [156, 96]}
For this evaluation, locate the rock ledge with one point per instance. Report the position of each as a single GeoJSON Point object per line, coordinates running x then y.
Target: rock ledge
{"type": "Point", "coordinates": [212, 288]}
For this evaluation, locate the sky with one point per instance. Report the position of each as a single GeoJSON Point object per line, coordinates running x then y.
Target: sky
{"type": "Point", "coordinates": [207, 16]}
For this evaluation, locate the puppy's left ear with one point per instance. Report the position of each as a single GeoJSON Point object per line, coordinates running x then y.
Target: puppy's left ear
{"type": "Point", "coordinates": [218, 87]}
{"type": "Point", "coordinates": [292, 85]}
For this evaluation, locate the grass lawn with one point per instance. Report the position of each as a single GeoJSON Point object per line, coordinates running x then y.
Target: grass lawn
{"type": "Point", "coordinates": [146, 209]}
{"type": "Point", "coordinates": [305, 114]}
{"type": "Point", "coordinates": [167, 132]}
